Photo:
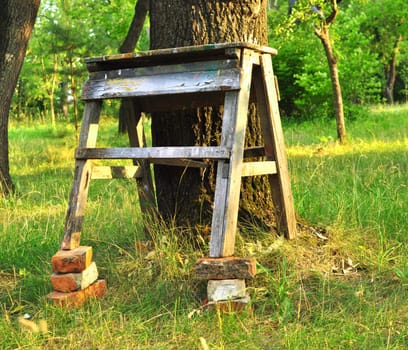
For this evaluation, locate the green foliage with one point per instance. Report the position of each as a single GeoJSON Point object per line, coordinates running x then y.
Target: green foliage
{"type": "Point", "coordinates": [302, 68]}
{"type": "Point", "coordinates": [315, 82]}
{"type": "Point", "coordinates": [65, 33]}
{"type": "Point", "coordinates": [386, 21]}
{"type": "Point", "coordinates": [359, 68]}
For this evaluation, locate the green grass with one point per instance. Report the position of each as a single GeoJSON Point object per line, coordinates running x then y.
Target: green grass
{"type": "Point", "coordinates": [347, 291]}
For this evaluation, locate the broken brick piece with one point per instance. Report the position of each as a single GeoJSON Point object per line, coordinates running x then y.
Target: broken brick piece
{"type": "Point", "coordinates": [70, 282]}
{"type": "Point", "coordinates": [78, 298]}
{"type": "Point", "coordinates": [75, 260]}
{"type": "Point", "coordinates": [225, 268]}
{"type": "Point", "coordinates": [224, 290]}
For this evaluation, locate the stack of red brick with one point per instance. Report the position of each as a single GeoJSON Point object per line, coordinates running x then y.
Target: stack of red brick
{"type": "Point", "coordinates": [75, 277]}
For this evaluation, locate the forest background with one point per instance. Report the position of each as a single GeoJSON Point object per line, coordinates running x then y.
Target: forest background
{"type": "Point", "coordinates": [369, 38]}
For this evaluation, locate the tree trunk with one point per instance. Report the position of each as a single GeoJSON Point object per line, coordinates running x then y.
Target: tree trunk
{"type": "Point", "coordinates": [16, 23]}
{"type": "Point", "coordinates": [132, 36]}
{"type": "Point", "coordinates": [74, 91]}
{"type": "Point", "coordinates": [129, 45]}
{"type": "Point", "coordinates": [185, 195]}
{"type": "Point", "coordinates": [323, 34]}
{"type": "Point", "coordinates": [391, 72]}
{"type": "Point", "coordinates": [64, 100]}
{"type": "Point", "coordinates": [51, 89]}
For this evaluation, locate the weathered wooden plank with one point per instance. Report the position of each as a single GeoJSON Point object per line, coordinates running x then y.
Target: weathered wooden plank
{"type": "Point", "coordinates": [82, 176]}
{"type": "Point", "coordinates": [77, 203]}
{"type": "Point", "coordinates": [154, 153]}
{"type": "Point", "coordinates": [185, 163]}
{"type": "Point", "coordinates": [162, 84]}
{"type": "Point", "coordinates": [180, 54]}
{"type": "Point", "coordinates": [258, 168]}
{"type": "Point", "coordinates": [225, 268]}
{"type": "Point", "coordinates": [104, 172]}
{"type": "Point", "coordinates": [90, 124]}
{"type": "Point", "coordinates": [275, 146]}
{"type": "Point", "coordinates": [144, 182]}
{"type": "Point", "coordinates": [167, 69]}
{"type": "Point", "coordinates": [227, 193]}
{"type": "Point", "coordinates": [221, 184]}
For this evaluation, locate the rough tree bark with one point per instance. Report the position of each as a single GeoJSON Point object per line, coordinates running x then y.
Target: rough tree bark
{"type": "Point", "coordinates": [17, 19]}
{"type": "Point", "coordinates": [185, 195]}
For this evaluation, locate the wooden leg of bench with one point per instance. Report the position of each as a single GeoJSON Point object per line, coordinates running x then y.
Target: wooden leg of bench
{"type": "Point", "coordinates": [82, 178]}
{"type": "Point", "coordinates": [137, 138]}
{"type": "Point", "coordinates": [228, 182]}
{"type": "Point", "coordinates": [275, 147]}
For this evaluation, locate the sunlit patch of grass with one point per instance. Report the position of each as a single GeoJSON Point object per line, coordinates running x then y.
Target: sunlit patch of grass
{"type": "Point", "coordinates": [361, 185]}
{"type": "Point", "coordinates": [358, 147]}
{"type": "Point", "coordinates": [356, 185]}
{"type": "Point", "coordinates": [389, 109]}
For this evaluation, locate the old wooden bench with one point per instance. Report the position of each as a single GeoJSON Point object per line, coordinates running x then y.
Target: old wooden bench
{"type": "Point", "coordinates": [172, 79]}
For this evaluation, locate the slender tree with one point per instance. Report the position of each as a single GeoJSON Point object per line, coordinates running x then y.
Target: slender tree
{"type": "Point", "coordinates": [186, 194]}
{"type": "Point", "coordinates": [322, 32]}
{"type": "Point", "coordinates": [17, 20]}
{"type": "Point", "coordinates": [322, 14]}
{"type": "Point", "coordinates": [136, 26]}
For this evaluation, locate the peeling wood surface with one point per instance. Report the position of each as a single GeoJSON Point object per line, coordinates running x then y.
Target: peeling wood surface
{"type": "Point", "coordinates": [171, 55]}
{"type": "Point", "coordinates": [153, 153]}
{"type": "Point", "coordinates": [135, 84]}
{"type": "Point", "coordinates": [164, 69]}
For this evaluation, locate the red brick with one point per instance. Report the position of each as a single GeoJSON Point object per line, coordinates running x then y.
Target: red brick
{"type": "Point", "coordinates": [70, 282]}
{"type": "Point", "coordinates": [78, 298]}
{"type": "Point", "coordinates": [75, 260]}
